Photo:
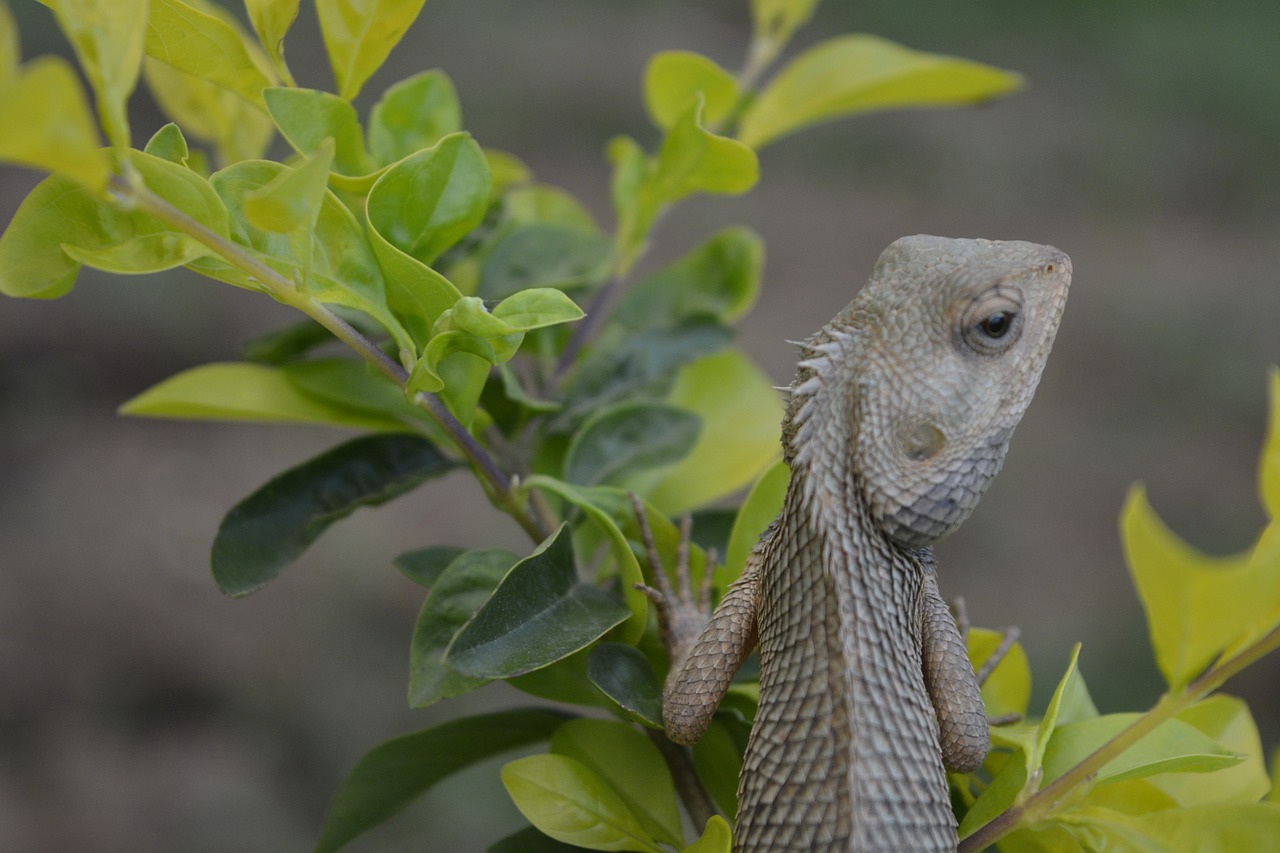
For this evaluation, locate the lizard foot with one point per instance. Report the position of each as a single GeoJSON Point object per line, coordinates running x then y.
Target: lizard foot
{"type": "Point", "coordinates": [681, 614]}
{"type": "Point", "coordinates": [1008, 637]}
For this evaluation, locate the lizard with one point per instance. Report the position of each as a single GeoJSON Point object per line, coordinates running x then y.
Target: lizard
{"type": "Point", "coordinates": [899, 417]}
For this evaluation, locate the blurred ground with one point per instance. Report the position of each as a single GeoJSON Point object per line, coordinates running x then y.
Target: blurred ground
{"type": "Point", "coordinates": [141, 711]}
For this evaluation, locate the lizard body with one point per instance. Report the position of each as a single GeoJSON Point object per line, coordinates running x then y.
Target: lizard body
{"type": "Point", "coordinates": [899, 417]}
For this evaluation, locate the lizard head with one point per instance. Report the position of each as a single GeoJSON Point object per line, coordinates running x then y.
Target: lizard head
{"type": "Point", "coordinates": [932, 366]}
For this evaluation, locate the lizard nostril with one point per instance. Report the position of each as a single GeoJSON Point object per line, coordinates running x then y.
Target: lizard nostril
{"type": "Point", "coordinates": [924, 442]}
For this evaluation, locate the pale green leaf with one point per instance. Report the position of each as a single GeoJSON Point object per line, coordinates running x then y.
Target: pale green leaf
{"type": "Point", "coordinates": [1173, 747]}
{"type": "Point", "coordinates": [306, 117]}
{"type": "Point", "coordinates": [741, 425]}
{"type": "Point", "coordinates": [758, 511]}
{"type": "Point", "coordinates": [210, 113]}
{"type": "Point", "coordinates": [205, 46]}
{"type": "Point", "coordinates": [107, 36]}
{"type": "Point", "coordinates": [1228, 722]}
{"type": "Point", "coordinates": [233, 391]}
{"type": "Point", "coordinates": [537, 308]}
{"type": "Point", "coordinates": [1198, 606]}
{"type": "Point", "coordinates": [271, 20]}
{"type": "Point", "coordinates": [673, 79]}
{"type": "Point", "coordinates": [1008, 689]}
{"type": "Point", "coordinates": [413, 114]}
{"type": "Point", "coordinates": [425, 375]}
{"type": "Point", "coordinates": [10, 51]}
{"type": "Point", "coordinates": [1269, 467]}
{"type": "Point", "coordinates": [1044, 731]}
{"type": "Point", "coordinates": [855, 74]}
{"type": "Point", "coordinates": [692, 159]}
{"type": "Point", "coordinates": [47, 123]}
{"type": "Point", "coordinates": [293, 198]}
{"type": "Point", "coordinates": [359, 34]}
{"type": "Point", "coordinates": [629, 763]}
{"type": "Point", "coordinates": [629, 440]}
{"type": "Point", "coordinates": [168, 143]}
{"type": "Point", "coordinates": [569, 802]}
{"type": "Point", "coordinates": [716, 838]}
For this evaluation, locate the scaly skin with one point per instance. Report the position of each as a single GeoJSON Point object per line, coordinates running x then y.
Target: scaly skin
{"type": "Point", "coordinates": [900, 415]}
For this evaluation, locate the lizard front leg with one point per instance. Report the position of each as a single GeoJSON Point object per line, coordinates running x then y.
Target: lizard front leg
{"type": "Point", "coordinates": [953, 687]}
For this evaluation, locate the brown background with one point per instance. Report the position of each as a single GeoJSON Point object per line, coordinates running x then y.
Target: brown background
{"type": "Point", "coordinates": [141, 711]}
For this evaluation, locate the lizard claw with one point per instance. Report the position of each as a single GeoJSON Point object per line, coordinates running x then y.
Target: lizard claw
{"type": "Point", "coordinates": [681, 614]}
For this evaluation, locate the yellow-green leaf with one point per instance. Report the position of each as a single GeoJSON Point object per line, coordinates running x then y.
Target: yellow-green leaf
{"type": "Point", "coordinates": [1198, 607]}
{"type": "Point", "coordinates": [47, 123]}
{"type": "Point", "coordinates": [237, 130]}
{"type": "Point", "coordinates": [10, 52]}
{"type": "Point", "coordinates": [292, 200]}
{"type": "Point", "coordinates": [271, 19]}
{"type": "Point", "coordinates": [1173, 747]}
{"type": "Point", "coordinates": [693, 159]}
{"type": "Point", "coordinates": [205, 46]}
{"type": "Point", "coordinates": [859, 73]}
{"type": "Point", "coordinates": [758, 511]}
{"type": "Point", "coordinates": [773, 22]}
{"type": "Point", "coordinates": [1228, 722]}
{"type": "Point", "coordinates": [1008, 689]}
{"type": "Point", "coordinates": [359, 34]}
{"type": "Point", "coordinates": [1049, 722]}
{"type": "Point", "coordinates": [1269, 467]}
{"type": "Point", "coordinates": [107, 36]}
{"type": "Point", "coordinates": [675, 77]}
{"type": "Point", "coordinates": [741, 416]}
{"type": "Point", "coordinates": [569, 802]}
{"type": "Point", "coordinates": [716, 838]}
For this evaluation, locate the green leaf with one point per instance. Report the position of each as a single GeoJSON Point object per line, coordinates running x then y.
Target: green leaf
{"type": "Point", "coordinates": [397, 772]}
{"type": "Point", "coordinates": [355, 386]}
{"type": "Point", "coordinates": [413, 114]}
{"type": "Point", "coordinates": [209, 113]}
{"type": "Point", "coordinates": [1228, 722]}
{"type": "Point", "coordinates": [1008, 689]}
{"type": "Point", "coordinates": [530, 840]}
{"type": "Point", "coordinates": [629, 439]}
{"type": "Point", "coordinates": [537, 308]}
{"type": "Point", "coordinates": [1269, 467]}
{"type": "Point", "coordinates": [629, 763]}
{"type": "Point", "coordinates": [675, 77]}
{"type": "Point", "coordinates": [540, 204]}
{"type": "Point", "coordinates": [642, 362]}
{"type": "Point", "coordinates": [458, 593]}
{"type": "Point", "coordinates": [426, 373]}
{"type": "Point", "coordinates": [10, 51]}
{"type": "Point", "coordinates": [1216, 828]}
{"type": "Point", "coordinates": [205, 46]}
{"type": "Point", "coordinates": [692, 159]}
{"type": "Point", "coordinates": [623, 674]}
{"type": "Point", "coordinates": [589, 500]}
{"type": "Point", "coordinates": [287, 344]}
{"type": "Point", "coordinates": [506, 171]}
{"type": "Point", "coordinates": [107, 38]}
{"type": "Point", "coordinates": [424, 566]}
{"type": "Point", "coordinates": [718, 759]}
{"type": "Point", "coordinates": [855, 74]}
{"type": "Point", "coordinates": [292, 200]}
{"type": "Point", "coordinates": [48, 124]}
{"type": "Point", "coordinates": [1198, 607]}
{"type": "Point", "coordinates": [539, 614]}
{"type": "Point", "coordinates": [273, 526]}
{"type": "Point", "coordinates": [271, 20]}
{"type": "Point", "coordinates": [564, 681]}
{"type": "Point", "coordinates": [741, 417]}
{"type": "Point", "coordinates": [545, 256]}
{"type": "Point", "coordinates": [359, 34]}
{"type": "Point", "coordinates": [758, 511]}
{"type": "Point", "coordinates": [1044, 731]}
{"type": "Point", "coordinates": [430, 200]}
{"type": "Point", "coordinates": [306, 117]}
{"type": "Point", "coordinates": [720, 278]}
{"type": "Point", "coordinates": [775, 20]}
{"type": "Point", "coordinates": [569, 802]}
{"type": "Point", "coordinates": [168, 143]}
{"type": "Point", "coordinates": [1173, 747]}
{"type": "Point", "coordinates": [1003, 791]}
{"type": "Point", "coordinates": [233, 391]}
{"type": "Point", "coordinates": [417, 294]}
{"type": "Point", "coordinates": [716, 838]}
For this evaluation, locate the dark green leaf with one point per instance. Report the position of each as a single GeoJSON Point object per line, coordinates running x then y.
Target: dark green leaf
{"type": "Point", "coordinates": [466, 584]}
{"type": "Point", "coordinates": [718, 759]}
{"type": "Point", "coordinates": [287, 344]}
{"type": "Point", "coordinates": [273, 526]}
{"type": "Point", "coordinates": [545, 256]}
{"type": "Point", "coordinates": [530, 840]}
{"type": "Point", "coordinates": [646, 361]}
{"type": "Point", "coordinates": [413, 114]}
{"type": "Point", "coordinates": [397, 772]}
{"type": "Point", "coordinates": [720, 278]}
{"type": "Point", "coordinates": [623, 674]}
{"type": "Point", "coordinates": [539, 614]}
{"type": "Point", "coordinates": [629, 438]}
{"type": "Point", "coordinates": [424, 565]}
{"type": "Point", "coordinates": [564, 681]}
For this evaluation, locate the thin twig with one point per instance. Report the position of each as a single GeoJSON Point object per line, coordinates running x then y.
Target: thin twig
{"type": "Point", "coordinates": [688, 786]}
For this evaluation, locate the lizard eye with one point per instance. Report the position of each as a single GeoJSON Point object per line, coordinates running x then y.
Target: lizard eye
{"type": "Point", "coordinates": [990, 323]}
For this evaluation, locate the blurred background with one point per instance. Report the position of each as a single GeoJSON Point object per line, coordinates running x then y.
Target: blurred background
{"type": "Point", "coordinates": [142, 711]}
